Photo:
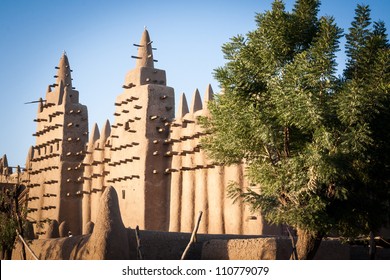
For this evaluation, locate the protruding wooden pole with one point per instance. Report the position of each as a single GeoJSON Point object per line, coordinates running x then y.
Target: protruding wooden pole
{"type": "Point", "coordinates": [193, 236]}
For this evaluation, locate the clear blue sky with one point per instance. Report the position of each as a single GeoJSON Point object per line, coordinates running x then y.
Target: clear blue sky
{"type": "Point", "coordinates": [98, 36]}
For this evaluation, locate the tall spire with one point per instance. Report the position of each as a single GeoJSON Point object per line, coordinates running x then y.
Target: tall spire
{"type": "Point", "coordinates": [106, 131]}
{"type": "Point", "coordinates": [208, 96]}
{"type": "Point", "coordinates": [64, 72]}
{"type": "Point", "coordinates": [196, 103]}
{"type": "Point", "coordinates": [145, 52]}
{"type": "Point", "coordinates": [95, 134]}
{"type": "Point", "coordinates": [29, 157]}
{"type": "Point", "coordinates": [183, 107]}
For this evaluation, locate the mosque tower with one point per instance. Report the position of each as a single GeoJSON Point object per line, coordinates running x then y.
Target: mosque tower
{"type": "Point", "coordinates": [138, 143]}
{"type": "Point", "coordinates": [55, 162]}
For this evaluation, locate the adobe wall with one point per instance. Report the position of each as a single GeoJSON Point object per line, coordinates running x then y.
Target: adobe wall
{"type": "Point", "coordinates": [131, 154]}
{"type": "Point", "coordinates": [197, 184]}
{"type": "Point", "coordinates": [110, 239]}
{"type": "Point", "coordinates": [137, 160]}
{"type": "Point", "coordinates": [155, 162]}
{"type": "Point", "coordinates": [95, 171]}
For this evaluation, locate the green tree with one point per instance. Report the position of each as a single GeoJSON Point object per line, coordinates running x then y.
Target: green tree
{"type": "Point", "coordinates": [363, 108]}
{"type": "Point", "coordinates": [282, 114]}
{"type": "Point", "coordinates": [8, 225]}
{"type": "Point", "coordinates": [12, 218]}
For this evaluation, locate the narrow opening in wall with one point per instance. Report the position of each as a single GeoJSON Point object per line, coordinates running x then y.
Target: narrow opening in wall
{"type": "Point", "coordinates": [123, 194]}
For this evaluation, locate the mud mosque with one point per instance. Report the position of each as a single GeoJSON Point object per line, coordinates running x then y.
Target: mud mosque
{"type": "Point", "coordinates": [151, 156]}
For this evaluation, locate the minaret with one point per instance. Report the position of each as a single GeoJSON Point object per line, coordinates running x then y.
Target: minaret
{"type": "Point", "coordinates": [138, 151]}
{"type": "Point", "coordinates": [145, 52]}
{"type": "Point", "coordinates": [55, 161]}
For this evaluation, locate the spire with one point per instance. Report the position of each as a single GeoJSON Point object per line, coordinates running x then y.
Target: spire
{"type": "Point", "coordinates": [196, 103]}
{"type": "Point", "coordinates": [106, 131]}
{"type": "Point", "coordinates": [145, 52]}
{"type": "Point", "coordinates": [29, 157]}
{"type": "Point", "coordinates": [30, 154]}
{"type": "Point", "coordinates": [95, 134]}
{"type": "Point", "coordinates": [208, 96]}
{"type": "Point", "coordinates": [64, 72]}
{"type": "Point", "coordinates": [183, 107]}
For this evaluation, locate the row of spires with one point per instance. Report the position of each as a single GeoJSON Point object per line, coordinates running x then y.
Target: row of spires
{"type": "Point", "coordinates": [196, 104]}
{"type": "Point", "coordinates": [144, 59]}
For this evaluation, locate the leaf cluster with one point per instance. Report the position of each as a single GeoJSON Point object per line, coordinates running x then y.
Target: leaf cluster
{"type": "Point", "coordinates": [9, 217]}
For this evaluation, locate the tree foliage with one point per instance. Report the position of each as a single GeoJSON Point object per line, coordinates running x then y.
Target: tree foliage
{"type": "Point", "coordinates": [8, 222]}
{"type": "Point", "coordinates": [316, 146]}
{"type": "Point", "coordinates": [12, 219]}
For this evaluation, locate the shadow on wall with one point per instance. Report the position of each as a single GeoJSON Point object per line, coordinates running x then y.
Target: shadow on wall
{"type": "Point", "coordinates": [110, 240]}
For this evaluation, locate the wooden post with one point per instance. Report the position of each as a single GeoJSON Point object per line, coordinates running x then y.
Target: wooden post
{"type": "Point", "coordinates": [193, 236]}
{"type": "Point", "coordinates": [294, 254]}
{"type": "Point", "coordinates": [25, 244]}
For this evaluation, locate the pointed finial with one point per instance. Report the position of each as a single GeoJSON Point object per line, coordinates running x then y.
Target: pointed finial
{"type": "Point", "coordinates": [30, 156]}
{"type": "Point", "coordinates": [145, 52]}
{"type": "Point", "coordinates": [183, 107]}
{"type": "Point", "coordinates": [64, 72]}
{"type": "Point", "coordinates": [95, 134]}
{"type": "Point", "coordinates": [208, 96]}
{"type": "Point", "coordinates": [106, 131]}
{"type": "Point", "coordinates": [196, 103]}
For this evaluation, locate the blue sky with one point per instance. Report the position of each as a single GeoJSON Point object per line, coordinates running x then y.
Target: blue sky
{"type": "Point", "coordinates": [98, 37]}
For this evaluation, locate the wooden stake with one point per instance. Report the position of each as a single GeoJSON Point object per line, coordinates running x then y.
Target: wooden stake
{"type": "Point", "coordinates": [193, 236]}
{"type": "Point", "coordinates": [25, 244]}
{"type": "Point", "coordinates": [294, 254]}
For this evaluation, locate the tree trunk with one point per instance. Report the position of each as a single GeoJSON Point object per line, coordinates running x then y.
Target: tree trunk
{"type": "Point", "coordinates": [6, 254]}
{"type": "Point", "coordinates": [308, 244]}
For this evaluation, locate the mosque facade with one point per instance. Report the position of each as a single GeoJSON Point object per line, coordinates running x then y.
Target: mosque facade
{"type": "Point", "coordinates": [151, 156]}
